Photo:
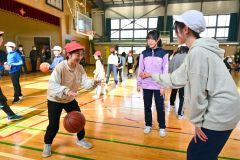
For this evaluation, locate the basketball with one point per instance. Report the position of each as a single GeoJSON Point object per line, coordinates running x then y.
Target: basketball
{"type": "Point", "coordinates": [44, 67]}
{"type": "Point", "coordinates": [74, 122]}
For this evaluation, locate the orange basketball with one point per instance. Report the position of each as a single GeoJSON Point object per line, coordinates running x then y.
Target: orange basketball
{"type": "Point", "coordinates": [44, 67]}
{"type": "Point", "coordinates": [74, 122]}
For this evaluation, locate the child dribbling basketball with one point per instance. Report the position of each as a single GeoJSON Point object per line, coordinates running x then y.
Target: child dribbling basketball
{"type": "Point", "coordinates": [63, 87]}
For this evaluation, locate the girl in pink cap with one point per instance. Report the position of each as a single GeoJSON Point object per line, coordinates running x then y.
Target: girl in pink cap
{"type": "Point", "coordinates": [99, 74]}
{"type": "Point", "coordinates": [63, 86]}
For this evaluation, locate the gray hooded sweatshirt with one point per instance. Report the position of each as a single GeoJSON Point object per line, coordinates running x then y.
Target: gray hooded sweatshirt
{"type": "Point", "coordinates": [210, 92]}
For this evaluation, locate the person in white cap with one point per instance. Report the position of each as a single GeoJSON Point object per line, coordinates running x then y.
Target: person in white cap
{"type": "Point", "coordinates": [210, 92]}
{"type": "Point", "coordinates": [14, 65]}
{"type": "Point", "coordinates": [3, 100]}
{"type": "Point", "coordinates": [57, 50]}
{"type": "Point", "coordinates": [99, 74]}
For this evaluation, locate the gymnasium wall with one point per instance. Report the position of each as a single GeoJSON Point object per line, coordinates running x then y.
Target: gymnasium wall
{"type": "Point", "coordinates": [16, 25]}
{"type": "Point", "coordinates": [24, 29]}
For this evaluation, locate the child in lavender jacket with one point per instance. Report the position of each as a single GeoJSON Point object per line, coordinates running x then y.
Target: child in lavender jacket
{"type": "Point", "coordinates": [153, 60]}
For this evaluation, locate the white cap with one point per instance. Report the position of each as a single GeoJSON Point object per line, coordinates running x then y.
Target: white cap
{"type": "Point", "coordinates": [193, 19]}
{"type": "Point", "coordinates": [10, 44]}
{"type": "Point", "coordinates": [57, 48]}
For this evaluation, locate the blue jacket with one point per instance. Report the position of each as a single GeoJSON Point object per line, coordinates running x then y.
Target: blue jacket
{"type": "Point", "coordinates": [15, 60]}
{"type": "Point", "coordinates": [56, 61]}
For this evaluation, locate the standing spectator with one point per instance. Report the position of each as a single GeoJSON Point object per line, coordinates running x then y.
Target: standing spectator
{"type": "Point", "coordinates": [22, 54]}
{"type": "Point", "coordinates": [155, 60]}
{"type": "Point", "coordinates": [14, 65]}
{"type": "Point", "coordinates": [42, 55]}
{"type": "Point", "coordinates": [130, 61]}
{"type": "Point", "coordinates": [112, 66]}
{"type": "Point", "coordinates": [174, 64]}
{"type": "Point", "coordinates": [120, 67]}
{"type": "Point", "coordinates": [33, 57]}
{"type": "Point", "coordinates": [227, 63]}
{"type": "Point", "coordinates": [47, 56]}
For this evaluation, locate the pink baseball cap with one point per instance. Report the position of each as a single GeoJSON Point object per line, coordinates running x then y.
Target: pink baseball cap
{"type": "Point", "coordinates": [112, 50]}
{"type": "Point", "coordinates": [98, 53]}
{"type": "Point", "coordinates": [72, 46]}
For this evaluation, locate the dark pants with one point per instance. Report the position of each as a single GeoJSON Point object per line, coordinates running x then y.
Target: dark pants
{"type": "Point", "coordinates": [34, 65]}
{"type": "Point", "coordinates": [181, 99]}
{"type": "Point", "coordinates": [16, 84]}
{"type": "Point", "coordinates": [130, 66]}
{"type": "Point", "coordinates": [120, 74]}
{"type": "Point", "coordinates": [159, 101]}
{"type": "Point", "coordinates": [4, 106]}
{"type": "Point", "coordinates": [54, 113]}
{"type": "Point", "coordinates": [24, 67]}
{"type": "Point", "coordinates": [210, 149]}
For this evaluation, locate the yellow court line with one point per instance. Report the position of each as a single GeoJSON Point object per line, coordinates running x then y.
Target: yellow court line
{"type": "Point", "coordinates": [14, 156]}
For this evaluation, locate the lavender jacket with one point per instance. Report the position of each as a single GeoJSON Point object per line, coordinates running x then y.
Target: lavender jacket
{"type": "Point", "coordinates": [152, 61]}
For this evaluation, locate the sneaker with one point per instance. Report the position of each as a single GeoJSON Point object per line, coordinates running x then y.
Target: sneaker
{"type": "Point", "coordinates": [20, 97]}
{"type": "Point", "coordinates": [162, 133]}
{"type": "Point", "coordinates": [95, 97]}
{"type": "Point", "coordinates": [47, 150]}
{"type": "Point", "coordinates": [85, 144]}
{"type": "Point", "coordinates": [147, 129]}
{"type": "Point", "coordinates": [180, 117]}
{"type": "Point", "coordinates": [15, 101]}
{"type": "Point", "coordinates": [15, 118]}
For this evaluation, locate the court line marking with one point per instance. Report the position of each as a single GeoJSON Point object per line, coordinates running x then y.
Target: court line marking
{"type": "Point", "coordinates": [40, 150]}
{"type": "Point", "coordinates": [14, 156]}
{"type": "Point", "coordinates": [26, 109]}
{"type": "Point", "coordinates": [122, 142]}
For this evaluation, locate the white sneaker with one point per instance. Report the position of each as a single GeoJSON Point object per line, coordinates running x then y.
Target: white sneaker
{"type": "Point", "coordinates": [85, 144]}
{"type": "Point", "coordinates": [162, 133]}
{"type": "Point", "coordinates": [180, 117]}
{"type": "Point", "coordinates": [47, 150]}
{"type": "Point", "coordinates": [20, 97]}
{"type": "Point", "coordinates": [95, 97]}
{"type": "Point", "coordinates": [147, 129]}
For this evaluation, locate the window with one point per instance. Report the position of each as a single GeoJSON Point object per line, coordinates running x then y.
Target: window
{"type": "Point", "coordinates": [124, 49]}
{"type": "Point", "coordinates": [217, 26]}
{"type": "Point", "coordinates": [138, 50]}
{"type": "Point", "coordinates": [135, 49]}
{"type": "Point", "coordinates": [126, 34]}
{"type": "Point", "coordinates": [140, 34]}
{"type": "Point", "coordinates": [115, 34]}
{"type": "Point", "coordinates": [127, 29]}
{"type": "Point", "coordinates": [115, 24]}
{"type": "Point", "coordinates": [141, 23]}
{"type": "Point", "coordinates": [152, 22]}
{"type": "Point", "coordinates": [126, 24]}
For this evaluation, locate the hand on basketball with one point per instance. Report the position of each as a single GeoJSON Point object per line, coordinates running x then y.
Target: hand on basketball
{"type": "Point", "coordinates": [200, 134]}
{"type": "Point", "coordinates": [145, 75]}
{"type": "Point", "coordinates": [72, 94]}
{"type": "Point", "coordinates": [162, 91]}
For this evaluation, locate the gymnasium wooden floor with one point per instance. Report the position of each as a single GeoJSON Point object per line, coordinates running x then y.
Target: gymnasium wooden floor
{"type": "Point", "coordinates": [114, 126]}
